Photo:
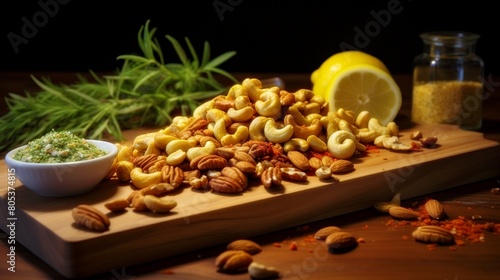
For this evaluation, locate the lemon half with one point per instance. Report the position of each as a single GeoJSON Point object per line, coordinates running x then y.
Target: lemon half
{"type": "Point", "coordinates": [358, 81]}
{"type": "Point", "coordinates": [365, 88]}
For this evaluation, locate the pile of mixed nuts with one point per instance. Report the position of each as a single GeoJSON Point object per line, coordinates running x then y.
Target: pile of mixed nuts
{"type": "Point", "coordinates": [252, 133]}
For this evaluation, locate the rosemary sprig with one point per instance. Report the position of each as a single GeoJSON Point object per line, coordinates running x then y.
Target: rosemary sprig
{"type": "Point", "coordinates": [145, 91]}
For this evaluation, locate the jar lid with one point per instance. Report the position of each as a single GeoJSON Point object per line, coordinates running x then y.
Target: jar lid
{"type": "Point", "coordinates": [449, 37]}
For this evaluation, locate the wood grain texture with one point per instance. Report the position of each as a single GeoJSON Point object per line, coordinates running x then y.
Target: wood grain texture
{"type": "Point", "coordinates": [204, 219]}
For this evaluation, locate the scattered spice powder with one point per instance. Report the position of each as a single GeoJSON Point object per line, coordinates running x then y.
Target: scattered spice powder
{"type": "Point", "coordinates": [463, 228]}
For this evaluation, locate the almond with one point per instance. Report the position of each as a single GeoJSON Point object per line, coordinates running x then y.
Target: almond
{"type": "Point", "coordinates": [245, 245]}
{"type": "Point", "coordinates": [434, 209]}
{"type": "Point", "coordinates": [341, 241]}
{"type": "Point", "coordinates": [323, 233]}
{"type": "Point", "coordinates": [233, 261]}
{"type": "Point", "coordinates": [341, 166]}
{"type": "Point", "coordinates": [433, 234]}
{"type": "Point", "coordinates": [403, 213]}
{"type": "Point", "coordinates": [299, 160]}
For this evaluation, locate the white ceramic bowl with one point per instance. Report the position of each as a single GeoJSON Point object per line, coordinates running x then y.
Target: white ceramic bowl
{"type": "Point", "coordinates": [64, 179]}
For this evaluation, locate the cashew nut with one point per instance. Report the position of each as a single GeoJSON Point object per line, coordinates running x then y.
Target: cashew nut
{"type": "Point", "coordinates": [213, 115]}
{"type": "Point", "coordinates": [296, 144]}
{"type": "Point", "coordinates": [124, 153]}
{"type": "Point", "coordinates": [176, 157]}
{"type": "Point", "coordinates": [240, 115]}
{"type": "Point", "coordinates": [256, 128]}
{"type": "Point", "coordinates": [143, 180]}
{"type": "Point", "coordinates": [362, 119]}
{"type": "Point", "coordinates": [208, 149]}
{"type": "Point", "coordinates": [201, 110]}
{"type": "Point", "coordinates": [252, 88]}
{"type": "Point", "coordinates": [275, 134]}
{"type": "Point", "coordinates": [241, 102]}
{"type": "Point", "coordinates": [311, 108]}
{"type": "Point", "coordinates": [178, 144]}
{"type": "Point", "coordinates": [162, 139]}
{"type": "Point", "coordinates": [240, 136]}
{"type": "Point", "coordinates": [323, 173]}
{"type": "Point", "coordinates": [342, 144]}
{"type": "Point", "coordinates": [299, 118]}
{"type": "Point", "coordinates": [219, 129]}
{"type": "Point", "coordinates": [366, 136]}
{"type": "Point", "coordinates": [159, 205]}
{"type": "Point", "coordinates": [180, 121]}
{"type": "Point", "coordinates": [268, 104]}
{"type": "Point", "coordinates": [303, 95]}
{"type": "Point", "coordinates": [345, 125]}
{"type": "Point", "coordinates": [316, 144]}
{"type": "Point", "coordinates": [123, 169]}
{"type": "Point", "coordinates": [141, 142]}
{"type": "Point", "coordinates": [152, 149]}
{"type": "Point", "coordinates": [235, 91]}
{"type": "Point", "coordinates": [391, 129]}
{"type": "Point", "coordinates": [347, 115]}
{"type": "Point", "coordinates": [301, 131]}
{"type": "Point", "coordinates": [318, 99]}
{"type": "Point", "coordinates": [379, 140]}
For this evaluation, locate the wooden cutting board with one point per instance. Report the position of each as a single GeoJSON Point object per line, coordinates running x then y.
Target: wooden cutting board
{"type": "Point", "coordinates": [45, 225]}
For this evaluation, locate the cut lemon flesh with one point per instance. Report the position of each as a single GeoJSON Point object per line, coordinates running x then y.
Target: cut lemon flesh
{"type": "Point", "coordinates": [337, 63]}
{"type": "Point", "coordinates": [365, 88]}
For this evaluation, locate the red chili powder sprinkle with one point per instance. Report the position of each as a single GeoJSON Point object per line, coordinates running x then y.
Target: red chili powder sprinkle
{"type": "Point", "coordinates": [464, 229]}
{"type": "Point", "coordinates": [293, 246]}
{"type": "Point", "coordinates": [431, 247]}
{"type": "Point", "coordinates": [310, 239]}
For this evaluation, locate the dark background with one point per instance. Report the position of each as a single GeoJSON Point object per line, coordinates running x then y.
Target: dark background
{"type": "Point", "coordinates": [269, 36]}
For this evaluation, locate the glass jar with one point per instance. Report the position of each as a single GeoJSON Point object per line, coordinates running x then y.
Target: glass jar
{"type": "Point", "coordinates": [448, 80]}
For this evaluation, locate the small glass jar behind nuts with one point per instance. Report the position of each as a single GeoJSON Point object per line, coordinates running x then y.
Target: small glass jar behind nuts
{"type": "Point", "coordinates": [448, 80]}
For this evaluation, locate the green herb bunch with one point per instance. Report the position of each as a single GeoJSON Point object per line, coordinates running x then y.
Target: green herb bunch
{"type": "Point", "coordinates": [145, 91]}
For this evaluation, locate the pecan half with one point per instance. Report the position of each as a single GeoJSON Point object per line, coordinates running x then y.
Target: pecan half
{"type": "Point", "coordinates": [242, 156]}
{"type": "Point", "coordinates": [172, 175]}
{"type": "Point", "coordinates": [211, 162]}
{"type": "Point", "coordinates": [196, 124]}
{"type": "Point", "coordinates": [142, 161]}
{"type": "Point", "coordinates": [236, 174]}
{"type": "Point", "coordinates": [246, 167]}
{"type": "Point", "coordinates": [90, 218]}
{"type": "Point", "coordinates": [224, 184]}
{"type": "Point", "coordinates": [293, 174]}
{"type": "Point", "coordinates": [271, 176]}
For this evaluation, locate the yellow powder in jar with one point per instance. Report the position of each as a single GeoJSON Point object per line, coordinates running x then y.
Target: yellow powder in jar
{"type": "Point", "coordinates": [448, 102]}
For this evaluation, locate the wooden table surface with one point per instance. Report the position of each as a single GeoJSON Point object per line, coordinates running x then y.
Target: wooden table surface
{"type": "Point", "coordinates": [387, 250]}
